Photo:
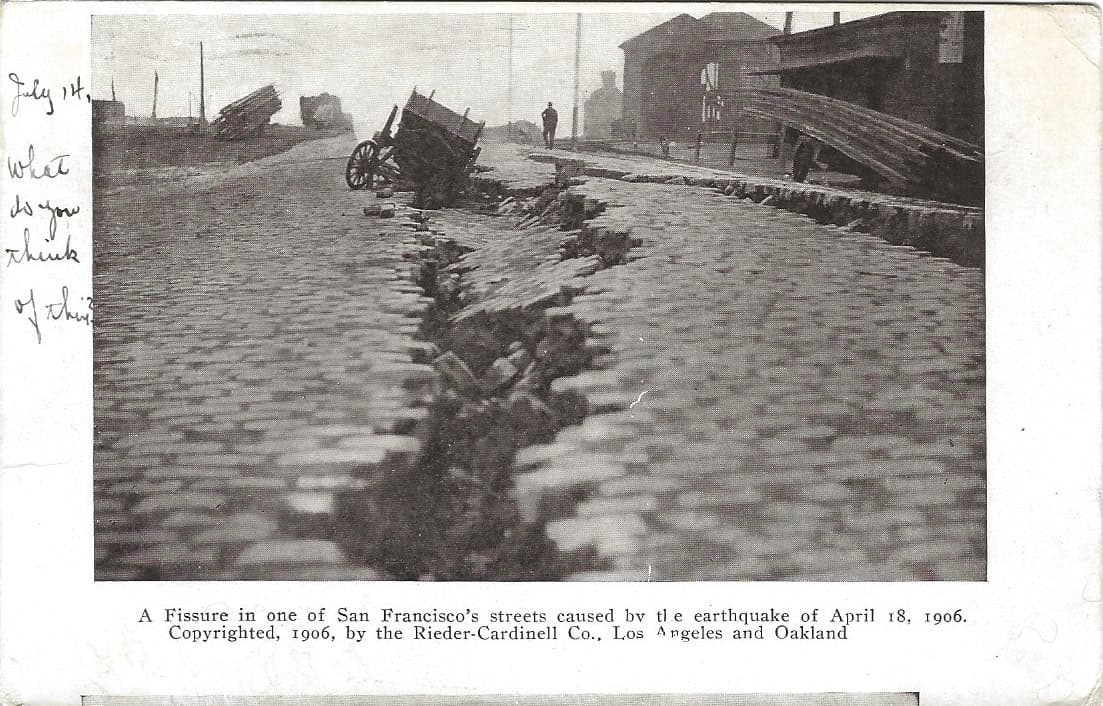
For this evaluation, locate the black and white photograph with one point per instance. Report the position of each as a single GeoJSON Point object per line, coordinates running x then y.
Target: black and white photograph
{"type": "Point", "coordinates": [545, 296]}
{"type": "Point", "coordinates": [526, 354]}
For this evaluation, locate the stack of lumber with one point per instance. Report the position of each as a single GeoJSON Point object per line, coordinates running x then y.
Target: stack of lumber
{"type": "Point", "coordinates": [909, 157]}
{"type": "Point", "coordinates": [247, 116]}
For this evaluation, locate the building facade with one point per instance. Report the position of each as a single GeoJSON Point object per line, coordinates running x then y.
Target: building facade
{"type": "Point", "coordinates": [926, 67]}
{"type": "Point", "coordinates": [602, 108]}
{"type": "Point", "coordinates": [104, 111]}
{"type": "Point", "coordinates": [688, 75]}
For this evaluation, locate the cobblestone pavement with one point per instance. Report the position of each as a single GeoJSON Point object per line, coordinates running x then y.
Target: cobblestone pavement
{"type": "Point", "coordinates": [796, 401]}
{"type": "Point", "coordinates": [252, 353]}
{"type": "Point", "coordinates": [771, 399]}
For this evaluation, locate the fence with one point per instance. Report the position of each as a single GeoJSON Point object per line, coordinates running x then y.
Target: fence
{"type": "Point", "coordinates": [734, 137]}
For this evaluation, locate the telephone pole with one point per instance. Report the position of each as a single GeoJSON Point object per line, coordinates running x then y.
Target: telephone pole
{"type": "Point", "coordinates": [202, 92]}
{"type": "Point", "coordinates": [509, 89]}
{"type": "Point", "coordinates": [577, 54]}
{"type": "Point", "coordinates": [155, 80]}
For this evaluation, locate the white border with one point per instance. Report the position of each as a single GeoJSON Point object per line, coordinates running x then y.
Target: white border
{"type": "Point", "coordinates": [1034, 631]}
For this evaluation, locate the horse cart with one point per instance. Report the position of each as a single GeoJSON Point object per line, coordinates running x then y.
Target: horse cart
{"type": "Point", "coordinates": [433, 150]}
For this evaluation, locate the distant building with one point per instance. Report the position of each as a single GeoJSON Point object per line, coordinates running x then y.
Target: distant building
{"type": "Point", "coordinates": [523, 131]}
{"type": "Point", "coordinates": [323, 111]}
{"type": "Point", "coordinates": [602, 107]}
{"type": "Point", "coordinates": [104, 111]}
{"type": "Point", "coordinates": [688, 75]}
{"type": "Point", "coordinates": [926, 67]}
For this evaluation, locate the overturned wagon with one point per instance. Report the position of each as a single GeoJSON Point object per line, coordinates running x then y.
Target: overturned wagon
{"type": "Point", "coordinates": [433, 149]}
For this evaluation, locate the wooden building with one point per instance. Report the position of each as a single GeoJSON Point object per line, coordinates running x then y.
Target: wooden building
{"type": "Point", "coordinates": [926, 67]}
{"type": "Point", "coordinates": [687, 75]}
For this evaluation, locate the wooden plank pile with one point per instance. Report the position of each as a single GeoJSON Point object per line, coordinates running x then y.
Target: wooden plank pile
{"type": "Point", "coordinates": [908, 157]}
{"type": "Point", "coordinates": [247, 116]}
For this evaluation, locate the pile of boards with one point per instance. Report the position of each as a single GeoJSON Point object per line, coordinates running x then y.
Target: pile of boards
{"type": "Point", "coordinates": [247, 116]}
{"type": "Point", "coordinates": [908, 157]}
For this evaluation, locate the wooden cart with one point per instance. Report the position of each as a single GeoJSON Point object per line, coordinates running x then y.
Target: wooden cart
{"type": "Point", "coordinates": [433, 149]}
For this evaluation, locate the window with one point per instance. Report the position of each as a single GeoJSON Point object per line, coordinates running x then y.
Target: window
{"type": "Point", "coordinates": [710, 76]}
{"type": "Point", "coordinates": [711, 102]}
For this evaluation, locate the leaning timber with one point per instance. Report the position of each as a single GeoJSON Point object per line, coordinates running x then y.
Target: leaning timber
{"type": "Point", "coordinates": [906, 156]}
{"type": "Point", "coordinates": [248, 115]}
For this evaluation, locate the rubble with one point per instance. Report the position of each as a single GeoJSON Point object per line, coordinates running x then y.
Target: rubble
{"type": "Point", "coordinates": [498, 360]}
{"type": "Point", "coordinates": [456, 374]}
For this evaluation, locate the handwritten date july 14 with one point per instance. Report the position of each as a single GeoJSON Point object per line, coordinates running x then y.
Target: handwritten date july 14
{"type": "Point", "coordinates": [37, 91]}
{"type": "Point", "coordinates": [80, 311]}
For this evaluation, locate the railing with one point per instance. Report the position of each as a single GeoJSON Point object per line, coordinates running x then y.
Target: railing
{"type": "Point", "coordinates": [734, 137]}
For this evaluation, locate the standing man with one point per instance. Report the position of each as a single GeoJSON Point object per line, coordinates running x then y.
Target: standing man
{"type": "Point", "coordinates": [804, 157]}
{"type": "Point", "coordinates": [551, 119]}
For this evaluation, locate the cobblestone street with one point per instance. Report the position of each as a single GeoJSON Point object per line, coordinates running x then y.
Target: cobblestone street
{"type": "Point", "coordinates": [765, 397]}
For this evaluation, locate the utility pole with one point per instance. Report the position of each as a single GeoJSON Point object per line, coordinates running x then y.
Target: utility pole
{"type": "Point", "coordinates": [155, 80]}
{"type": "Point", "coordinates": [189, 107]}
{"type": "Point", "coordinates": [509, 90]}
{"type": "Point", "coordinates": [779, 144]}
{"type": "Point", "coordinates": [202, 92]}
{"type": "Point", "coordinates": [112, 89]}
{"type": "Point", "coordinates": [577, 53]}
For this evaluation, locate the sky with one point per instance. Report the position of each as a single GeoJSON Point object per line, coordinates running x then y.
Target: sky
{"type": "Point", "coordinates": [373, 61]}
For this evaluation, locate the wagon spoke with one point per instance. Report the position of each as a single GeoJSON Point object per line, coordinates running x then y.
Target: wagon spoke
{"type": "Point", "coordinates": [362, 165]}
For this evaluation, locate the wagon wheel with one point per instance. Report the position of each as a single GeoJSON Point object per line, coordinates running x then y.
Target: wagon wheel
{"type": "Point", "coordinates": [368, 166]}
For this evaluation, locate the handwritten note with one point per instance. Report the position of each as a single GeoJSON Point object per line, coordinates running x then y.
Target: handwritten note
{"type": "Point", "coordinates": [45, 234]}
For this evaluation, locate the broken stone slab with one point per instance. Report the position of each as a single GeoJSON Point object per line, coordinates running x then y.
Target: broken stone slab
{"type": "Point", "coordinates": [384, 193]}
{"type": "Point", "coordinates": [498, 375]}
{"type": "Point", "coordinates": [456, 374]}
{"type": "Point", "coordinates": [529, 381]}
{"type": "Point", "coordinates": [387, 210]}
{"type": "Point", "coordinates": [528, 410]}
{"type": "Point", "coordinates": [372, 210]}
{"type": "Point", "coordinates": [520, 358]}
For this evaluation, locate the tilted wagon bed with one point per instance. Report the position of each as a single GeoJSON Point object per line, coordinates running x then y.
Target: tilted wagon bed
{"type": "Point", "coordinates": [434, 149]}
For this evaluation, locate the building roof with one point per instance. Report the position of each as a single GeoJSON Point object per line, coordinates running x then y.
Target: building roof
{"type": "Point", "coordinates": [713, 27]}
{"type": "Point", "coordinates": [859, 26]}
{"type": "Point", "coordinates": [736, 26]}
{"type": "Point", "coordinates": [852, 56]}
{"type": "Point", "coordinates": [670, 29]}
